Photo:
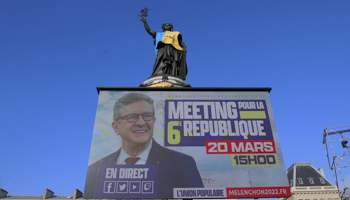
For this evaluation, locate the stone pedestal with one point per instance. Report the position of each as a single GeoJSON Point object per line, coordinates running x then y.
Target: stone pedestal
{"type": "Point", "coordinates": [164, 81]}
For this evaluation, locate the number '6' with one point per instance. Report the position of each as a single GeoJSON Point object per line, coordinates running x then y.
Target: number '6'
{"type": "Point", "coordinates": [174, 136]}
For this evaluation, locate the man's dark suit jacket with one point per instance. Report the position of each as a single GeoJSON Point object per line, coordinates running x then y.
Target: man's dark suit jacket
{"type": "Point", "coordinates": [175, 170]}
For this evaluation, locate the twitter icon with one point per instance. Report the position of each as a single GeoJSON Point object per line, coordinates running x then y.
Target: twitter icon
{"type": "Point", "coordinates": [122, 186]}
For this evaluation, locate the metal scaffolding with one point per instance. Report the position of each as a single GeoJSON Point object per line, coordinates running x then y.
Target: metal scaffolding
{"type": "Point", "coordinates": [335, 141]}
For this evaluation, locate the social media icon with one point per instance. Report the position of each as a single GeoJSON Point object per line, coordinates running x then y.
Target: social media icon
{"type": "Point", "coordinates": [147, 187]}
{"type": "Point", "coordinates": [109, 187]}
{"type": "Point", "coordinates": [135, 187]}
{"type": "Point", "coordinates": [122, 187]}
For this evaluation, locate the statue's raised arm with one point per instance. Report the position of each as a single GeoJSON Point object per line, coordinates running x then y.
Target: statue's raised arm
{"type": "Point", "coordinates": [148, 29]}
{"type": "Point", "coordinates": [144, 14]}
{"type": "Point", "coordinates": [170, 50]}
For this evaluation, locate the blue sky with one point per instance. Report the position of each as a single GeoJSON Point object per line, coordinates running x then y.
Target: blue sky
{"type": "Point", "coordinates": [53, 55]}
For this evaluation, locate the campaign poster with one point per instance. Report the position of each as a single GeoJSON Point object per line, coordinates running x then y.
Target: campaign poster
{"type": "Point", "coordinates": [185, 143]}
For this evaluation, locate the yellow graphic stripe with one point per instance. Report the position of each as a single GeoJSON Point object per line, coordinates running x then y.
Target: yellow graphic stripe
{"type": "Point", "coordinates": [252, 114]}
{"type": "Point", "coordinates": [162, 85]}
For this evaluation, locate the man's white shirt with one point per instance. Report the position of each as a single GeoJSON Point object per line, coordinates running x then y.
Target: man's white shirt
{"type": "Point", "coordinates": [143, 156]}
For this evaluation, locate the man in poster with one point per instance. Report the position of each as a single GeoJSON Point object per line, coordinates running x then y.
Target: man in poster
{"type": "Point", "coordinates": [133, 121]}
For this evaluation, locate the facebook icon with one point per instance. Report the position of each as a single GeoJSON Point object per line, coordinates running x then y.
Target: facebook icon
{"type": "Point", "coordinates": [109, 187]}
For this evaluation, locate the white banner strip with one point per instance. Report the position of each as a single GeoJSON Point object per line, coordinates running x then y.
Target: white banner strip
{"type": "Point", "coordinates": [199, 193]}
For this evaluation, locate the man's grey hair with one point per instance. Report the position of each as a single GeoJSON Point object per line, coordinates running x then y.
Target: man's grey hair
{"type": "Point", "coordinates": [128, 99]}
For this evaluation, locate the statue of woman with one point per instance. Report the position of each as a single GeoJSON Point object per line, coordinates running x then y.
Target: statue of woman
{"type": "Point", "coordinates": [170, 50]}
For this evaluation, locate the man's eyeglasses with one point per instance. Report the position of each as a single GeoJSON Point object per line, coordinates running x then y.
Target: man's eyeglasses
{"type": "Point", "coordinates": [132, 118]}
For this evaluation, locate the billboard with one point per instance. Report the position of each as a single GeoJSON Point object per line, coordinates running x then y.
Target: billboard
{"type": "Point", "coordinates": [185, 143]}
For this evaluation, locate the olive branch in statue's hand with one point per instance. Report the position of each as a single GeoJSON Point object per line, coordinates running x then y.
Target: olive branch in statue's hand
{"type": "Point", "coordinates": [144, 14]}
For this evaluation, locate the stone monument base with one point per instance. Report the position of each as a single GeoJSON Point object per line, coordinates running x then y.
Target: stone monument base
{"type": "Point", "coordinates": [164, 81]}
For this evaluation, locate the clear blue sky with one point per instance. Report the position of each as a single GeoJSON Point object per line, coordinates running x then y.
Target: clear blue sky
{"type": "Point", "coordinates": [53, 55]}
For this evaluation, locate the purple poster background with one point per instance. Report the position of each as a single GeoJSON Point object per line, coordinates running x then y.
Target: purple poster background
{"type": "Point", "coordinates": [221, 119]}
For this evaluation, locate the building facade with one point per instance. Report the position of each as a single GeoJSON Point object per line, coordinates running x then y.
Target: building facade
{"type": "Point", "coordinates": [308, 183]}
